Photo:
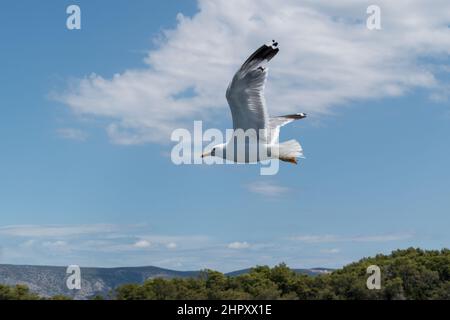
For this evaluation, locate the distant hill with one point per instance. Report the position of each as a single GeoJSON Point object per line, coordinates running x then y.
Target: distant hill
{"type": "Point", "coordinates": [412, 274]}
{"type": "Point", "coordinates": [48, 281]}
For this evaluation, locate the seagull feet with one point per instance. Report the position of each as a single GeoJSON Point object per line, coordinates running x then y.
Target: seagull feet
{"type": "Point", "coordinates": [290, 160]}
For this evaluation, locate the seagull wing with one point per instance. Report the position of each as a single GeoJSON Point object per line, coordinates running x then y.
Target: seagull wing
{"type": "Point", "coordinates": [245, 94]}
{"type": "Point", "coordinates": [276, 122]}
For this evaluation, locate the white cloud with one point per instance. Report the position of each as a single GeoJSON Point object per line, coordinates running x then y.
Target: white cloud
{"type": "Point", "coordinates": [55, 244]}
{"type": "Point", "coordinates": [171, 245]}
{"type": "Point", "coordinates": [266, 188]}
{"type": "Point", "coordinates": [97, 244]}
{"type": "Point", "coordinates": [316, 238]}
{"type": "Point", "coordinates": [172, 242]}
{"type": "Point", "coordinates": [28, 243]}
{"type": "Point", "coordinates": [366, 238]}
{"type": "Point", "coordinates": [383, 238]}
{"type": "Point", "coordinates": [328, 58]}
{"type": "Point", "coordinates": [58, 243]}
{"type": "Point", "coordinates": [104, 245]}
{"type": "Point", "coordinates": [142, 244]}
{"type": "Point", "coordinates": [238, 245]}
{"type": "Point", "coordinates": [56, 230]}
{"type": "Point", "coordinates": [72, 134]}
{"type": "Point", "coordinates": [331, 251]}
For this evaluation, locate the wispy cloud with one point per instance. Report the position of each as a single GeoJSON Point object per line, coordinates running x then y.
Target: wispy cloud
{"type": "Point", "coordinates": [28, 243]}
{"type": "Point", "coordinates": [267, 188]}
{"type": "Point", "coordinates": [364, 238]}
{"type": "Point", "coordinates": [142, 244]}
{"type": "Point", "coordinates": [331, 251]}
{"type": "Point", "coordinates": [72, 134]}
{"type": "Point", "coordinates": [104, 237]}
{"type": "Point", "coordinates": [324, 62]}
{"type": "Point", "coordinates": [171, 245]}
{"type": "Point", "coordinates": [238, 245]}
{"type": "Point", "coordinates": [107, 244]}
{"type": "Point", "coordinates": [58, 243]}
{"type": "Point", "coordinates": [56, 230]}
{"type": "Point", "coordinates": [112, 245]}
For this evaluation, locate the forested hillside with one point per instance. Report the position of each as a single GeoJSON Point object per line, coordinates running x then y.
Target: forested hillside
{"type": "Point", "coordinates": [405, 274]}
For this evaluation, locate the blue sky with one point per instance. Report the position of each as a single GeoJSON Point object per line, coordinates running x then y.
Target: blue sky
{"type": "Point", "coordinates": [85, 173]}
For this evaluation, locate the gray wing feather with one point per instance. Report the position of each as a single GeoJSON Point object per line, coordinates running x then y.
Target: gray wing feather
{"type": "Point", "coordinates": [245, 94]}
{"type": "Point", "coordinates": [276, 122]}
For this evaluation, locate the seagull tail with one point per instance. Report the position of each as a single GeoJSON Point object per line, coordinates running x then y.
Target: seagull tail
{"type": "Point", "coordinates": [290, 150]}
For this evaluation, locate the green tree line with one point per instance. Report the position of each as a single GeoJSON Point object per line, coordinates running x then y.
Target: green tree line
{"type": "Point", "coordinates": [405, 274]}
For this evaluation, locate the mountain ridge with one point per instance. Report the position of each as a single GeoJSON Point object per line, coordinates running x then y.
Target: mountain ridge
{"type": "Point", "coordinates": [47, 281]}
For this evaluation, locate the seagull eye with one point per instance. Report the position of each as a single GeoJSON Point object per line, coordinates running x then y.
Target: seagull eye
{"type": "Point", "coordinates": [213, 151]}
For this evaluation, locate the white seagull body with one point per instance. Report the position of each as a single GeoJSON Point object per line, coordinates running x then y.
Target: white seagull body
{"type": "Point", "coordinates": [245, 96]}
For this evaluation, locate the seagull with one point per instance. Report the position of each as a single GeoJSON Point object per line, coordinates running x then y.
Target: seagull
{"type": "Point", "coordinates": [245, 96]}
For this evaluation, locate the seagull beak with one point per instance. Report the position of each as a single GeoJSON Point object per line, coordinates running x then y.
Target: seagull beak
{"type": "Point", "coordinates": [206, 154]}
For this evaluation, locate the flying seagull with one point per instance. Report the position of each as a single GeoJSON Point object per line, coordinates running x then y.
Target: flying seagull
{"type": "Point", "coordinates": [245, 96]}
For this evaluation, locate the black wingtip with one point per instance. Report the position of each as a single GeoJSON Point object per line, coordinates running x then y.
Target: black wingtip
{"type": "Point", "coordinates": [265, 52]}
{"type": "Point", "coordinates": [296, 116]}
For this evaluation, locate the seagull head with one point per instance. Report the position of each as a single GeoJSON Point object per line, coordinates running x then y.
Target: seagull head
{"type": "Point", "coordinates": [217, 150]}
